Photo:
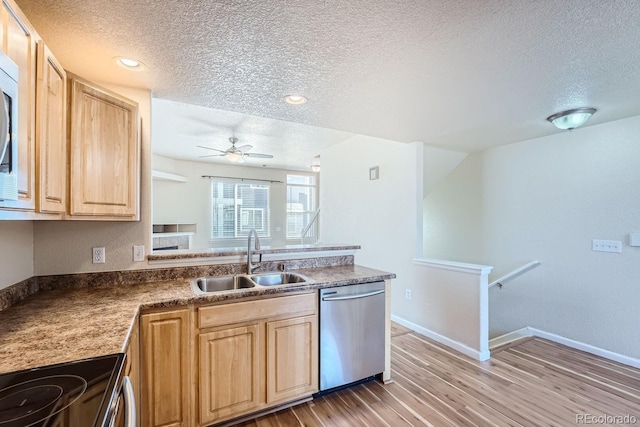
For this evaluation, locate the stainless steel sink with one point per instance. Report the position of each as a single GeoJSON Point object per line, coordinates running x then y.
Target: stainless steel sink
{"type": "Point", "coordinates": [210, 284]}
{"type": "Point", "coordinates": [278, 278]}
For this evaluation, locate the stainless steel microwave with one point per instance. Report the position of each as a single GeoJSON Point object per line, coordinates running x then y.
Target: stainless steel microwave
{"type": "Point", "coordinates": [8, 129]}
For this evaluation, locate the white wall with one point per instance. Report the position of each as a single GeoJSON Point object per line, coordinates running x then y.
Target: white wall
{"type": "Point", "coordinates": [190, 202]}
{"type": "Point", "coordinates": [16, 247]}
{"type": "Point", "coordinates": [64, 247]}
{"type": "Point", "coordinates": [438, 163]}
{"type": "Point", "coordinates": [453, 305]}
{"type": "Point", "coordinates": [381, 215]}
{"type": "Point", "coordinates": [547, 199]}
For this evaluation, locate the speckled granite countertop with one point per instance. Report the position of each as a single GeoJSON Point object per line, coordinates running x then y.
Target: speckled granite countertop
{"type": "Point", "coordinates": [69, 324]}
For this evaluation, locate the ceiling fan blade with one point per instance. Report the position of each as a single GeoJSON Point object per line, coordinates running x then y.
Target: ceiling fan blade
{"type": "Point", "coordinates": [245, 148]}
{"type": "Point", "coordinates": [209, 148]}
{"type": "Point", "coordinates": [213, 155]}
{"type": "Point", "coordinates": [259, 156]}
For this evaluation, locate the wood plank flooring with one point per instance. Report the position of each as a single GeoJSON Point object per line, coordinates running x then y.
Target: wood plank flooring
{"type": "Point", "coordinates": [531, 383]}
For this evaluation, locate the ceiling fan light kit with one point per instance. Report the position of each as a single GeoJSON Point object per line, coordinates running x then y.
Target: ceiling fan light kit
{"type": "Point", "coordinates": [234, 157]}
{"type": "Point", "coordinates": [571, 119]}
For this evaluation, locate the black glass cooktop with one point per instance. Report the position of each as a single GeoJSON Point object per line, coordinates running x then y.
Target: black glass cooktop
{"type": "Point", "coordinates": [73, 394]}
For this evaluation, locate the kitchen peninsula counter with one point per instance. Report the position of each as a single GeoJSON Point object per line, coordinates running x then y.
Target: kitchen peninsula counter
{"type": "Point", "coordinates": [213, 253]}
{"type": "Point", "coordinates": [62, 325]}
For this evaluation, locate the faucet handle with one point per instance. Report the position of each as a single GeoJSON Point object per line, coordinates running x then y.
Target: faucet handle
{"type": "Point", "coordinates": [282, 266]}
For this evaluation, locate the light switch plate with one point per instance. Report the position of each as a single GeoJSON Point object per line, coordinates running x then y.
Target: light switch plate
{"type": "Point", "coordinates": [634, 239]}
{"type": "Point", "coordinates": [607, 246]}
{"type": "Point", "coordinates": [374, 173]}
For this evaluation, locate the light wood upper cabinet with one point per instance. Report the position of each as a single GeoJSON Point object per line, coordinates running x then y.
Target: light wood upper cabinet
{"type": "Point", "coordinates": [19, 44]}
{"type": "Point", "coordinates": [292, 358]}
{"type": "Point", "coordinates": [78, 144]}
{"type": "Point", "coordinates": [104, 154]}
{"type": "Point", "coordinates": [51, 133]}
{"type": "Point", "coordinates": [229, 365]}
{"type": "Point", "coordinates": [165, 370]}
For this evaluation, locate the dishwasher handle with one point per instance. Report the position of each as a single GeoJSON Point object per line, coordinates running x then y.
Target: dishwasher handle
{"type": "Point", "coordinates": [354, 296]}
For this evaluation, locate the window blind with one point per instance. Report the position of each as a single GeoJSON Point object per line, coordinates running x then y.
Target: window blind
{"type": "Point", "coordinates": [237, 207]}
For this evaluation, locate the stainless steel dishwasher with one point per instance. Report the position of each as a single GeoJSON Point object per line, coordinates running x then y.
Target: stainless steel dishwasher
{"type": "Point", "coordinates": [351, 333]}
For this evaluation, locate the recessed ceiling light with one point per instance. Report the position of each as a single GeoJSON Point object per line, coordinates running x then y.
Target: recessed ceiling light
{"type": "Point", "coordinates": [295, 99]}
{"type": "Point", "coordinates": [129, 64]}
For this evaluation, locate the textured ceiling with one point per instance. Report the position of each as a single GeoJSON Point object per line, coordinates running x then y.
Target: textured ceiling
{"type": "Point", "coordinates": [461, 74]}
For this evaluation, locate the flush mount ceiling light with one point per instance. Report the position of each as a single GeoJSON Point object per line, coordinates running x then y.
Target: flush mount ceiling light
{"type": "Point", "coordinates": [129, 64]}
{"type": "Point", "coordinates": [295, 99]}
{"type": "Point", "coordinates": [571, 119]}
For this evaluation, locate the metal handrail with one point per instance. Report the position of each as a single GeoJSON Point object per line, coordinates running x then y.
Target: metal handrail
{"type": "Point", "coordinates": [518, 271]}
{"type": "Point", "coordinates": [306, 229]}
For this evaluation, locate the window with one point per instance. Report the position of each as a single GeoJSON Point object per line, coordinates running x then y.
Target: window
{"type": "Point", "coordinates": [236, 208]}
{"type": "Point", "coordinates": [301, 203]}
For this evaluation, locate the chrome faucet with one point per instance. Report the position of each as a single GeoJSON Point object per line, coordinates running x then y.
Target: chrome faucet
{"type": "Point", "coordinates": [250, 266]}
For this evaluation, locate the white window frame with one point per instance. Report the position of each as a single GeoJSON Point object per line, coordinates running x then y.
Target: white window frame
{"type": "Point", "coordinates": [240, 230]}
{"type": "Point", "coordinates": [308, 213]}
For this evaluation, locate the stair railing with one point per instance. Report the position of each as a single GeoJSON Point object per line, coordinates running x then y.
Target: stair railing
{"type": "Point", "coordinates": [309, 233]}
{"type": "Point", "coordinates": [515, 273]}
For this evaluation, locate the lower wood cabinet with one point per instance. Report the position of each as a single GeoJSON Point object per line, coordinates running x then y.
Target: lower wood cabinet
{"type": "Point", "coordinates": [292, 358]}
{"type": "Point", "coordinates": [132, 370]}
{"type": "Point", "coordinates": [164, 362]}
{"type": "Point", "coordinates": [229, 373]}
{"type": "Point", "coordinates": [256, 354]}
{"type": "Point", "coordinates": [201, 365]}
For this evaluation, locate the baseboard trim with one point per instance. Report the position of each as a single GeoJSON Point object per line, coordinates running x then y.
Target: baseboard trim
{"type": "Point", "coordinates": [588, 348]}
{"type": "Point", "coordinates": [514, 336]}
{"type": "Point", "coordinates": [509, 338]}
{"type": "Point", "coordinates": [607, 354]}
{"type": "Point", "coordinates": [458, 346]}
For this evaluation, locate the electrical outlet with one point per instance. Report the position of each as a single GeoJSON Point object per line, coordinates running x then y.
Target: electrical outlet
{"type": "Point", "coordinates": [407, 294]}
{"type": "Point", "coordinates": [607, 246]}
{"type": "Point", "coordinates": [138, 253]}
{"type": "Point", "coordinates": [98, 255]}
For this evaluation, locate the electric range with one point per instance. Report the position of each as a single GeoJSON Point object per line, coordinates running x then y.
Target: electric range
{"type": "Point", "coordinates": [83, 393]}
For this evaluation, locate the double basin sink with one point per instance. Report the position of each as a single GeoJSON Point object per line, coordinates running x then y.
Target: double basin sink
{"type": "Point", "coordinates": [205, 285]}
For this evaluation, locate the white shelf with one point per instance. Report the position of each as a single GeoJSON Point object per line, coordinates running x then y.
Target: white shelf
{"type": "Point", "coordinates": [166, 176]}
{"type": "Point", "coordinates": [173, 234]}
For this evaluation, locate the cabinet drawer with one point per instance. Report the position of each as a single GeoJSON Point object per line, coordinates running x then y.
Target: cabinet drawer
{"type": "Point", "coordinates": [238, 312]}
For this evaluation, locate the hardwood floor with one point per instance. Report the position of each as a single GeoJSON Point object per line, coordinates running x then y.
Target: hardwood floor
{"type": "Point", "coordinates": [532, 383]}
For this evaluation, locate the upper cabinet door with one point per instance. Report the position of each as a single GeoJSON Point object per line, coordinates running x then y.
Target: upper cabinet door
{"type": "Point", "coordinates": [104, 154]}
{"type": "Point", "coordinates": [18, 43]}
{"type": "Point", "coordinates": [51, 133]}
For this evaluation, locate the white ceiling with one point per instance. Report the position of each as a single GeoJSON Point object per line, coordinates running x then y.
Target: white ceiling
{"type": "Point", "coordinates": [459, 74]}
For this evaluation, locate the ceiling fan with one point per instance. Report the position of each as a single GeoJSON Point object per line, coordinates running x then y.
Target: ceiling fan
{"type": "Point", "coordinates": [236, 154]}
